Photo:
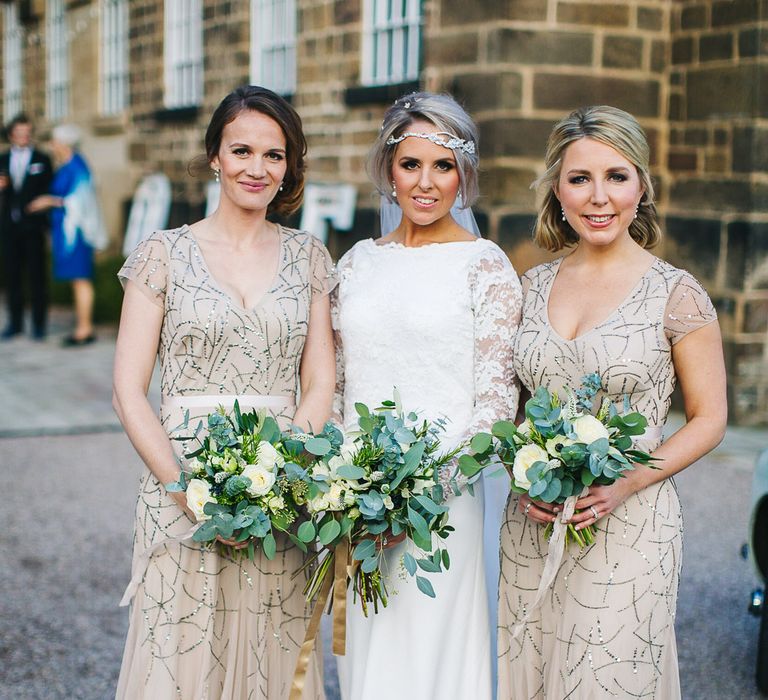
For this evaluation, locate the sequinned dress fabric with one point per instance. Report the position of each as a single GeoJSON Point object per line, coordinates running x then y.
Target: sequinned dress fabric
{"type": "Point", "coordinates": [606, 626]}
{"type": "Point", "coordinates": [201, 624]}
{"type": "Point", "coordinates": [437, 322]}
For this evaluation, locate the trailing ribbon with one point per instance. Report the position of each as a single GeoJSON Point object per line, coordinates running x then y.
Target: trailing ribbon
{"type": "Point", "coordinates": [554, 558]}
{"type": "Point", "coordinates": [140, 565]}
{"type": "Point", "coordinates": [342, 568]}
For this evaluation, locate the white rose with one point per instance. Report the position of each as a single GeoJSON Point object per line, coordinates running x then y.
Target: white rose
{"type": "Point", "coordinates": [588, 429]}
{"type": "Point", "coordinates": [268, 457]}
{"type": "Point", "coordinates": [348, 451]}
{"type": "Point", "coordinates": [334, 463]}
{"type": "Point", "coordinates": [349, 498]}
{"type": "Point", "coordinates": [198, 494]}
{"type": "Point", "coordinates": [276, 503]}
{"type": "Point", "coordinates": [318, 504]}
{"type": "Point", "coordinates": [524, 460]}
{"type": "Point", "coordinates": [335, 496]}
{"type": "Point", "coordinates": [262, 480]}
{"type": "Point", "coordinates": [321, 469]}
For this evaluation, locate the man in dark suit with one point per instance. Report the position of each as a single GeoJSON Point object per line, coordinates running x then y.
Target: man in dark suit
{"type": "Point", "coordinates": [25, 173]}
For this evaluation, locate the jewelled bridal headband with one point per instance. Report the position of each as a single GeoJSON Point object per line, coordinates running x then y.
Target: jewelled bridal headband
{"type": "Point", "coordinates": [451, 141]}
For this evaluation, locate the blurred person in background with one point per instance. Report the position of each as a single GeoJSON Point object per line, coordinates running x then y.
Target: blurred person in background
{"type": "Point", "coordinates": [25, 174]}
{"type": "Point", "coordinates": [76, 227]}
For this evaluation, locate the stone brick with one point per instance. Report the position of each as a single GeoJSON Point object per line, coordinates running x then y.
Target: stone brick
{"type": "Point", "coordinates": [693, 244]}
{"type": "Point", "coordinates": [658, 56]}
{"type": "Point", "coordinates": [682, 50]}
{"type": "Point", "coordinates": [693, 17]}
{"type": "Point", "coordinates": [508, 186]}
{"type": "Point", "coordinates": [566, 92]}
{"type": "Point", "coordinates": [722, 92]}
{"type": "Point", "coordinates": [514, 137]}
{"type": "Point", "coordinates": [749, 151]}
{"type": "Point", "coordinates": [515, 229]}
{"type": "Point", "coordinates": [622, 52]}
{"type": "Point", "coordinates": [346, 11]}
{"type": "Point", "coordinates": [650, 18]}
{"type": "Point", "coordinates": [460, 12]}
{"type": "Point", "coordinates": [716, 163]}
{"type": "Point", "coordinates": [728, 12]}
{"type": "Point", "coordinates": [712, 195]}
{"type": "Point", "coordinates": [593, 14]}
{"type": "Point", "coordinates": [452, 49]}
{"type": "Point", "coordinates": [545, 47]}
{"type": "Point", "coordinates": [747, 255]}
{"type": "Point", "coordinates": [479, 91]}
{"type": "Point", "coordinates": [721, 137]}
{"type": "Point", "coordinates": [715, 47]}
{"type": "Point", "coordinates": [695, 136]}
{"type": "Point", "coordinates": [681, 160]}
{"type": "Point", "coordinates": [756, 316]}
{"type": "Point", "coordinates": [753, 42]}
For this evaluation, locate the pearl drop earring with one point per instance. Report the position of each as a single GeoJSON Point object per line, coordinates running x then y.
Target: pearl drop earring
{"type": "Point", "coordinates": [394, 191]}
{"type": "Point", "coordinates": [562, 213]}
{"type": "Point", "coordinates": [216, 175]}
{"type": "Point", "coordinates": [637, 209]}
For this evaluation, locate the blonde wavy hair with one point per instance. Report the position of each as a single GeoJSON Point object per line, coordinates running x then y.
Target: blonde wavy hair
{"type": "Point", "coordinates": [622, 132]}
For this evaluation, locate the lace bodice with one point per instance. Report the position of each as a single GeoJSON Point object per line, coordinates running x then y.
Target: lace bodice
{"type": "Point", "coordinates": [437, 322]}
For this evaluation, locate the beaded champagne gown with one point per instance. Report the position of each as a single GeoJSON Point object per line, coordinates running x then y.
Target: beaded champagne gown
{"type": "Point", "coordinates": [436, 322]}
{"type": "Point", "coordinates": [201, 624]}
{"type": "Point", "coordinates": [606, 626]}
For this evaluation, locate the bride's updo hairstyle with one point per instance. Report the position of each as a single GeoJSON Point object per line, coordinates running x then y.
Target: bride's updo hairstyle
{"type": "Point", "coordinates": [617, 129]}
{"type": "Point", "coordinates": [446, 115]}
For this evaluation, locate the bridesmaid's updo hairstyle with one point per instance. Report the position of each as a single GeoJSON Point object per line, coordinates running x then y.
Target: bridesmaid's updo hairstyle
{"type": "Point", "coordinates": [446, 115]}
{"type": "Point", "coordinates": [259, 99]}
{"type": "Point", "coordinates": [617, 129]}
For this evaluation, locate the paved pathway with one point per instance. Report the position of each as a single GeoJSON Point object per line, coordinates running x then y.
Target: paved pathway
{"type": "Point", "coordinates": [69, 483]}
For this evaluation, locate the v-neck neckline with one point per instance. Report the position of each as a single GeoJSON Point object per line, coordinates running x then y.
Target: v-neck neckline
{"type": "Point", "coordinates": [219, 288]}
{"type": "Point", "coordinates": [608, 317]}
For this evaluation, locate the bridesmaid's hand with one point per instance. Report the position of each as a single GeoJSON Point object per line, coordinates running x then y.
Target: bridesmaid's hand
{"type": "Point", "coordinates": [603, 500]}
{"type": "Point", "coordinates": [232, 543]}
{"type": "Point", "coordinates": [538, 511]}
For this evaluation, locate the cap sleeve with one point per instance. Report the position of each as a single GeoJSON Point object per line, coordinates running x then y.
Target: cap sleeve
{"type": "Point", "coordinates": [688, 308]}
{"type": "Point", "coordinates": [147, 266]}
{"type": "Point", "coordinates": [322, 271]}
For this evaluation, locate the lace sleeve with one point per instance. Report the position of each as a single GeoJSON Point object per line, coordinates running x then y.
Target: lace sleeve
{"type": "Point", "coordinates": [147, 266]}
{"type": "Point", "coordinates": [344, 269]}
{"type": "Point", "coordinates": [688, 309]}
{"type": "Point", "coordinates": [497, 305]}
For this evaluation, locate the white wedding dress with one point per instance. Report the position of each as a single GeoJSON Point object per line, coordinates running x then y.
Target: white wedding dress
{"type": "Point", "coordinates": [437, 322]}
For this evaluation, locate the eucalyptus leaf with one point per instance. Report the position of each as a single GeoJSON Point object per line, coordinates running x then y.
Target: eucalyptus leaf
{"type": "Point", "coordinates": [446, 559]}
{"type": "Point", "coordinates": [425, 586]}
{"type": "Point", "coordinates": [430, 506]}
{"type": "Point", "coordinates": [410, 563]}
{"type": "Point", "coordinates": [306, 532]}
{"type": "Point", "coordinates": [428, 565]}
{"type": "Point", "coordinates": [269, 545]}
{"type": "Point", "coordinates": [364, 549]}
{"type": "Point", "coordinates": [468, 465]}
{"type": "Point", "coordinates": [350, 471]}
{"type": "Point", "coordinates": [370, 564]}
{"type": "Point", "coordinates": [318, 446]}
{"type": "Point", "coordinates": [362, 410]}
{"type": "Point", "coordinates": [329, 532]}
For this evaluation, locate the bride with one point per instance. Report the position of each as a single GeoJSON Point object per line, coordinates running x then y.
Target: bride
{"type": "Point", "coordinates": [429, 308]}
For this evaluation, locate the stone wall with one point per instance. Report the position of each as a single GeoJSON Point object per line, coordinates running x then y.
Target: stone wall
{"type": "Point", "coordinates": [717, 211]}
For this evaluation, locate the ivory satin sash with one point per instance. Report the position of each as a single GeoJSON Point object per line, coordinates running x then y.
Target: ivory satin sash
{"type": "Point", "coordinates": [190, 402]}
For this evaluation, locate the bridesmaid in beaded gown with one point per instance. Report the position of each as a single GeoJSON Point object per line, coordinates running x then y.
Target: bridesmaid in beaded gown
{"type": "Point", "coordinates": [234, 307]}
{"type": "Point", "coordinates": [605, 626]}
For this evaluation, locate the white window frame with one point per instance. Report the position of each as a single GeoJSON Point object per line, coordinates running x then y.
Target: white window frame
{"type": "Point", "coordinates": [391, 41]}
{"type": "Point", "coordinates": [56, 60]}
{"type": "Point", "coordinates": [273, 45]}
{"type": "Point", "coordinates": [12, 61]}
{"type": "Point", "coordinates": [113, 63]}
{"type": "Point", "coordinates": [183, 53]}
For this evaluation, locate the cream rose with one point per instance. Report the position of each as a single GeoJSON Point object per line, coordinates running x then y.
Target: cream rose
{"type": "Point", "coordinates": [198, 494]}
{"type": "Point", "coordinates": [268, 457]}
{"type": "Point", "coordinates": [318, 504]}
{"type": "Point", "coordinates": [262, 480]}
{"type": "Point", "coordinates": [588, 429]}
{"type": "Point", "coordinates": [524, 460]}
{"type": "Point", "coordinates": [335, 496]}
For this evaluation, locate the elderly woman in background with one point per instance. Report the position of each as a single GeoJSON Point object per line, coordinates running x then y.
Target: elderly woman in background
{"type": "Point", "coordinates": [76, 227]}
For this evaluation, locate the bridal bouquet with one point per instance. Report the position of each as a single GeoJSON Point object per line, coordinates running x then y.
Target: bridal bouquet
{"type": "Point", "coordinates": [244, 481]}
{"type": "Point", "coordinates": [560, 448]}
{"type": "Point", "coordinates": [378, 482]}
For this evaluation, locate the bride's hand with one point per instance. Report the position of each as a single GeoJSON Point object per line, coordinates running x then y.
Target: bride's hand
{"type": "Point", "coordinates": [233, 543]}
{"type": "Point", "coordinates": [538, 511]}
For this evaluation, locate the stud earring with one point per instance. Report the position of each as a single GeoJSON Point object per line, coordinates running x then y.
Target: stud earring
{"type": "Point", "coordinates": [280, 189]}
{"type": "Point", "coordinates": [394, 191]}
{"type": "Point", "coordinates": [216, 175]}
{"type": "Point", "coordinates": [562, 213]}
